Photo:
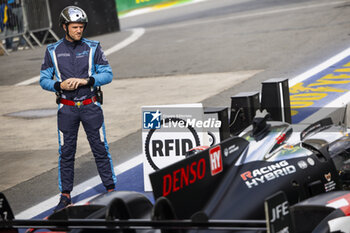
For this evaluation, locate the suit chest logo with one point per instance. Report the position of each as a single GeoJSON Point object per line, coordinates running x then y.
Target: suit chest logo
{"type": "Point", "coordinates": [82, 54]}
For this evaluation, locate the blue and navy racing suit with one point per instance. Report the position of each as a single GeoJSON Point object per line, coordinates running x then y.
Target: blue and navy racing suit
{"type": "Point", "coordinates": [79, 59]}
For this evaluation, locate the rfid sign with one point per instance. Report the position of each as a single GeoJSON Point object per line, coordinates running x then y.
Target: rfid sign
{"type": "Point", "coordinates": [152, 119]}
{"type": "Point", "coordinates": [168, 132]}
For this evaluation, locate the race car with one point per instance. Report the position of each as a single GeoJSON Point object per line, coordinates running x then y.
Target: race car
{"type": "Point", "coordinates": [269, 178]}
{"type": "Point", "coordinates": [232, 180]}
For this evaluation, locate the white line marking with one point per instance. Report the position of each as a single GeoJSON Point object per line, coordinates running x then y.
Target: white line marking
{"type": "Point", "coordinates": [340, 102]}
{"type": "Point", "coordinates": [136, 34]}
{"type": "Point", "coordinates": [52, 201]}
{"type": "Point", "coordinates": [29, 81]}
{"type": "Point", "coordinates": [331, 61]}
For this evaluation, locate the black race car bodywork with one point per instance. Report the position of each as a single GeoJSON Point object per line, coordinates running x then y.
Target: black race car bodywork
{"type": "Point", "coordinates": [232, 180]}
{"type": "Point", "coordinates": [226, 187]}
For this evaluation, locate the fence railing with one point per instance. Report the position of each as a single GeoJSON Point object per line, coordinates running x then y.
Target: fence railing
{"type": "Point", "coordinates": [21, 19]}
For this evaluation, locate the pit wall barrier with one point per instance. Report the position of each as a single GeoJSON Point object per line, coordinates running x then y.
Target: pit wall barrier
{"type": "Point", "coordinates": [20, 19]}
{"type": "Point", "coordinates": [23, 22]}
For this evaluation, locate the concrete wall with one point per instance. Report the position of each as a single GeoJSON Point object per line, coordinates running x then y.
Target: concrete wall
{"type": "Point", "coordinates": [102, 15]}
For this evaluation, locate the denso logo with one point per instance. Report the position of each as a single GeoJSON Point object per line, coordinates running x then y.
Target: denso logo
{"type": "Point", "coordinates": [215, 159]}
{"type": "Point", "coordinates": [268, 173]}
{"type": "Point", "coordinates": [182, 177]}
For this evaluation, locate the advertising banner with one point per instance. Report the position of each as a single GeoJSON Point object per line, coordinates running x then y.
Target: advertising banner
{"type": "Point", "coordinates": [169, 131]}
{"type": "Point", "coordinates": [125, 5]}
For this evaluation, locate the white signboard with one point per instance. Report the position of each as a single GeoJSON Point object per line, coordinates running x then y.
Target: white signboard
{"type": "Point", "coordinates": [168, 131]}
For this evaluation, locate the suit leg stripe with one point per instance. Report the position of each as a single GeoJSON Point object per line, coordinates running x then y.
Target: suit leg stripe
{"type": "Point", "coordinates": [109, 155]}
{"type": "Point", "coordinates": [59, 158]}
{"type": "Point", "coordinates": [60, 144]}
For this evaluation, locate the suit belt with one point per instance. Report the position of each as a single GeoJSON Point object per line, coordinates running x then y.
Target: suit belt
{"type": "Point", "coordinates": [78, 103]}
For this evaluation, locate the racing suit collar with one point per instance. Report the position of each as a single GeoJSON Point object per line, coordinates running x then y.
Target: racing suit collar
{"type": "Point", "coordinates": [73, 44]}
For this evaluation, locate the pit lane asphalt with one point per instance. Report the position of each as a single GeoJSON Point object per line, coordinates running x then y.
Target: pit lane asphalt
{"type": "Point", "coordinates": [282, 45]}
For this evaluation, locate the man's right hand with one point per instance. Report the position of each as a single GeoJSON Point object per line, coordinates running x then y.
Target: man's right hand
{"type": "Point", "coordinates": [72, 83]}
{"type": "Point", "coordinates": [66, 85]}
